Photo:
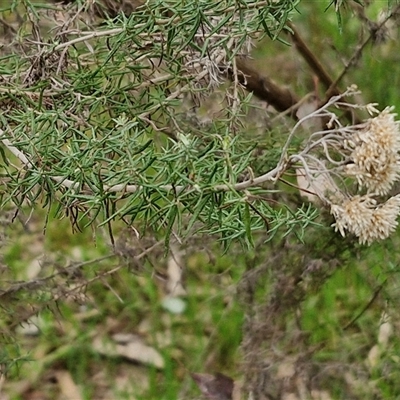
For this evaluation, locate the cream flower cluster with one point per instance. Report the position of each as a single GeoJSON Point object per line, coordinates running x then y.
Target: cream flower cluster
{"type": "Point", "coordinates": [375, 159]}
{"type": "Point", "coordinates": [363, 217]}
{"type": "Point", "coordinates": [369, 153]}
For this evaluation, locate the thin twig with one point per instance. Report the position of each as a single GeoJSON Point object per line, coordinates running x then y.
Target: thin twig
{"type": "Point", "coordinates": [314, 114]}
{"type": "Point", "coordinates": [187, 87]}
{"type": "Point", "coordinates": [8, 26]}
{"type": "Point", "coordinates": [270, 176]}
{"type": "Point", "coordinates": [332, 87]}
{"type": "Point", "coordinates": [365, 308]}
{"type": "Point", "coordinates": [73, 185]}
{"type": "Point", "coordinates": [88, 35]}
{"type": "Point", "coordinates": [281, 99]}
{"type": "Point", "coordinates": [311, 59]}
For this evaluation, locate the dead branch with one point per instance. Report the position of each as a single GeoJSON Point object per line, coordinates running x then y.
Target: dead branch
{"type": "Point", "coordinates": [311, 59]}
{"type": "Point", "coordinates": [263, 87]}
{"type": "Point", "coordinates": [111, 8]}
{"type": "Point", "coordinates": [320, 71]}
{"type": "Point", "coordinates": [374, 30]}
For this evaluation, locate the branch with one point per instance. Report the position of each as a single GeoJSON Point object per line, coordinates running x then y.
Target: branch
{"type": "Point", "coordinates": [88, 35]}
{"type": "Point", "coordinates": [319, 70]}
{"type": "Point", "coordinates": [114, 7]}
{"type": "Point", "coordinates": [187, 87]}
{"type": "Point", "coordinates": [271, 176]}
{"type": "Point", "coordinates": [365, 308]}
{"type": "Point", "coordinates": [312, 60]}
{"type": "Point", "coordinates": [111, 8]}
{"type": "Point", "coordinates": [280, 98]}
{"type": "Point", "coordinates": [124, 188]}
{"type": "Point", "coordinates": [357, 53]}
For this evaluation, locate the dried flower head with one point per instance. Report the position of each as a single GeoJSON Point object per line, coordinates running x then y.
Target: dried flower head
{"type": "Point", "coordinates": [375, 160]}
{"type": "Point", "coordinates": [368, 152]}
{"type": "Point", "coordinates": [213, 44]}
{"type": "Point", "coordinates": [361, 216]}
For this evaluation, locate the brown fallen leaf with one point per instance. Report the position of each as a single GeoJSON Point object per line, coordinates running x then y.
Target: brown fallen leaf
{"type": "Point", "coordinates": [214, 387]}
{"type": "Point", "coordinates": [131, 348]}
{"type": "Point", "coordinates": [69, 390]}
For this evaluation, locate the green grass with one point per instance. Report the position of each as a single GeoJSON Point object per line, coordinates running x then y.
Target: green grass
{"type": "Point", "coordinates": [125, 302]}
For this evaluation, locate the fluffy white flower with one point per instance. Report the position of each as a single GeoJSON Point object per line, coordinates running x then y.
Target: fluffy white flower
{"type": "Point", "coordinates": [361, 216]}
{"type": "Point", "coordinates": [375, 160]}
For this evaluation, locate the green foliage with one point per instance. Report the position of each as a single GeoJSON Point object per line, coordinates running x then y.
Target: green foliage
{"type": "Point", "coordinates": [87, 114]}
